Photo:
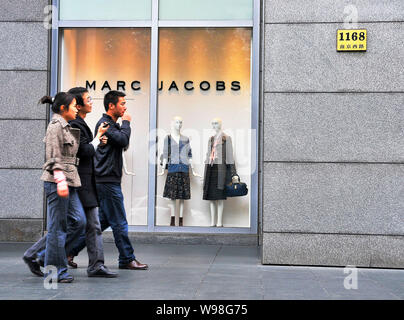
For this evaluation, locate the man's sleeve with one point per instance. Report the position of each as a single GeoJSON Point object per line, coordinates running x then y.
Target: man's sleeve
{"type": "Point", "coordinates": [119, 137]}
{"type": "Point", "coordinates": [85, 148]}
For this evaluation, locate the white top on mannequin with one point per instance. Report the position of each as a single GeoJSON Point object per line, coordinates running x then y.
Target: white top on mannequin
{"type": "Point", "coordinates": [176, 125]}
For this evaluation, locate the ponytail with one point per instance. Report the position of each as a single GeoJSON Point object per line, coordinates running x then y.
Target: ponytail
{"type": "Point", "coordinates": [61, 99]}
{"type": "Point", "coordinates": [45, 99]}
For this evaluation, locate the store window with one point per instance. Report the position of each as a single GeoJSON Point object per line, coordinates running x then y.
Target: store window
{"type": "Point", "coordinates": [104, 59]}
{"type": "Point", "coordinates": [193, 64]}
{"type": "Point", "coordinates": [204, 74]}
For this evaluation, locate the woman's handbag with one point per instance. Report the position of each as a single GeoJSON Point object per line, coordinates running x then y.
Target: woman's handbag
{"type": "Point", "coordinates": [237, 189]}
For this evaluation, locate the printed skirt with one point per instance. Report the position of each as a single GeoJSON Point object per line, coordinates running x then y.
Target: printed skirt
{"type": "Point", "coordinates": [177, 186]}
{"type": "Point", "coordinates": [210, 190]}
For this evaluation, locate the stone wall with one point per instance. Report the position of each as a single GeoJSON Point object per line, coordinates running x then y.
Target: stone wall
{"type": "Point", "coordinates": [333, 163]}
{"type": "Point", "coordinates": [23, 80]}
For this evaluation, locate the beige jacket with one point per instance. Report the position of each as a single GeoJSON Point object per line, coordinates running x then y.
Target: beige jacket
{"type": "Point", "coordinates": [61, 145]}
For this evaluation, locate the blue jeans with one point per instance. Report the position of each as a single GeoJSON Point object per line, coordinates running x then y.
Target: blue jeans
{"type": "Point", "coordinates": [112, 214]}
{"type": "Point", "coordinates": [62, 236]}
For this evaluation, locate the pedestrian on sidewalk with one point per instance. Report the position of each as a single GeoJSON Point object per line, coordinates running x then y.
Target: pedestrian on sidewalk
{"type": "Point", "coordinates": [108, 175]}
{"type": "Point", "coordinates": [61, 181]}
{"type": "Point", "coordinates": [87, 191]}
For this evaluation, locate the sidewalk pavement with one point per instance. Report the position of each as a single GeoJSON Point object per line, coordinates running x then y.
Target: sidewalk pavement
{"type": "Point", "coordinates": [196, 272]}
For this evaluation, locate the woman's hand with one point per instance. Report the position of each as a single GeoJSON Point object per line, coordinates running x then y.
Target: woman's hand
{"type": "Point", "coordinates": [62, 187]}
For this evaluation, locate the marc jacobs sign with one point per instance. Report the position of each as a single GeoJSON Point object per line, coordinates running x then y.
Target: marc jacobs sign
{"type": "Point", "coordinates": [187, 85]}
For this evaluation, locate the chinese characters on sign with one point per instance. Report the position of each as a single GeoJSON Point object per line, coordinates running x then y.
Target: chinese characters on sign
{"type": "Point", "coordinates": [351, 40]}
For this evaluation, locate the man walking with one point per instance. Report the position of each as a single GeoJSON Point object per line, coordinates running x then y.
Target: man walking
{"type": "Point", "coordinates": [87, 192]}
{"type": "Point", "coordinates": [108, 174]}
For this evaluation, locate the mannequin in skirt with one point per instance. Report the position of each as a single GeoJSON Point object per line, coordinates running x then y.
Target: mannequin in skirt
{"type": "Point", "coordinates": [177, 155]}
{"type": "Point", "coordinates": [219, 170]}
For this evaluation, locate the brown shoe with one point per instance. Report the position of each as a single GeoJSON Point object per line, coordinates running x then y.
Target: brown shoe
{"type": "Point", "coordinates": [134, 265]}
{"type": "Point", "coordinates": [71, 263]}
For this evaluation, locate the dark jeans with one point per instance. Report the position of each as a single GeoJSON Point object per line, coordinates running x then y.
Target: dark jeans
{"type": "Point", "coordinates": [93, 240]}
{"type": "Point", "coordinates": [92, 237]}
{"type": "Point", "coordinates": [62, 236]}
{"type": "Point", "coordinates": [112, 214]}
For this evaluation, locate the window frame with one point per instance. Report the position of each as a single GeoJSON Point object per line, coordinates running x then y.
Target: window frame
{"type": "Point", "coordinates": [154, 24]}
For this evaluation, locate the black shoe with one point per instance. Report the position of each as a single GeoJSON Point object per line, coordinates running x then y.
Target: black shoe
{"type": "Point", "coordinates": [103, 272]}
{"type": "Point", "coordinates": [41, 263]}
{"type": "Point", "coordinates": [33, 265]}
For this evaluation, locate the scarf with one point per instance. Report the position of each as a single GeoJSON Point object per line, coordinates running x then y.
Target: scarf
{"type": "Point", "coordinates": [213, 152]}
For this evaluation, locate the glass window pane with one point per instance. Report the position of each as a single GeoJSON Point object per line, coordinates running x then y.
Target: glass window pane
{"type": "Point", "coordinates": [104, 59]}
{"type": "Point", "coordinates": [206, 10]}
{"type": "Point", "coordinates": [204, 74]}
{"type": "Point", "coordinates": [105, 10]}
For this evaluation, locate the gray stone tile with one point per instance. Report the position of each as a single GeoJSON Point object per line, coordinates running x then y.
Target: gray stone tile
{"type": "Point", "coordinates": [20, 230]}
{"type": "Point", "coordinates": [228, 272]}
{"type": "Point", "coordinates": [367, 289]}
{"type": "Point", "coordinates": [230, 291]}
{"type": "Point", "coordinates": [24, 46]}
{"type": "Point", "coordinates": [316, 249]}
{"type": "Point", "coordinates": [289, 288]}
{"type": "Point", "coordinates": [332, 127]}
{"type": "Point", "coordinates": [303, 57]}
{"type": "Point", "coordinates": [334, 198]}
{"type": "Point", "coordinates": [244, 255]}
{"type": "Point", "coordinates": [31, 86]}
{"type": "Point", "coordinates": [23, 10]}
{"type": "Point", "coordinates": [396, 276]}
{"type": "Point", "coordinates": [388, 252]}
{"type": "Point", "coordinates": [239, 280]}
{"type": "Point", "coordinates": [395, 287]}
{"type": "Point", "coordinates": [24, 194]}
{"type": "Point", "coordinates": [303, 274]}
{"type": "Point", "coordinates": [280, 11]}
{"type": "Point", "coordinates": [21, 143]}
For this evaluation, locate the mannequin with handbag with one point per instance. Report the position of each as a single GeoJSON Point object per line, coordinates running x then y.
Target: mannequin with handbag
{"type": "Point", "coordinates": [177, 158]}
{"type": "Point", "coordinates": [220, 170]}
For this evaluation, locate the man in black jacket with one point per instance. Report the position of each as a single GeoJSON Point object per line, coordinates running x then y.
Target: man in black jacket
{"type": "Point", "coordinates": [108, 174]}
{"type": "Point", "coordinates": [87, 191]}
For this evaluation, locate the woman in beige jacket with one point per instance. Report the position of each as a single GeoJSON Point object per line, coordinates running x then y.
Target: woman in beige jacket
{"type": "Point", "coordinates": [61, 181]}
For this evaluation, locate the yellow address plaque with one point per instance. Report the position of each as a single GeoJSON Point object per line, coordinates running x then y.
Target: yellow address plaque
{"type": "Point", "coordinates": [351, 40]}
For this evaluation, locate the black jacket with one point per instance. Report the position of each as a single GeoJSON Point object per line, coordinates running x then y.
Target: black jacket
{"type": "Point", "coordinates": [87, 192]}
{"type": "Point", "coordinates": [108, 158]}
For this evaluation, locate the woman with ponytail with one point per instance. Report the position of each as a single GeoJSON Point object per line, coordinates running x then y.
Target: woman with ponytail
{"type": "Point", "coordinates": [61, 181]}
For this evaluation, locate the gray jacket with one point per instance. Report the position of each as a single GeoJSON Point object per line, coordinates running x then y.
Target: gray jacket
{"type": "Point", "coordinates": [61, 146]}
{"type": "Point", "coordinates": [224, 159]}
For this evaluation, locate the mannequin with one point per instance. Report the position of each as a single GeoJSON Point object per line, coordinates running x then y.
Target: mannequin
{"type": "Point", "coordinates": [176, 139]}
{"type": "Point", "coordinates": [221, 156]}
